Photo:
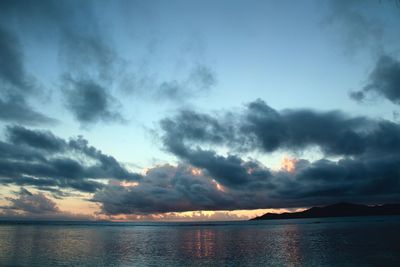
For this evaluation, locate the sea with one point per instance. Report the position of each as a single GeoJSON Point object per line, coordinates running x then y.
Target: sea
{"type": "Point", "coordinates": [351, 241]}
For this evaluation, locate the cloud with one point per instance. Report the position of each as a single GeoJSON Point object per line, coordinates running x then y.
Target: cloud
{"type": "Point", "coordinates": [15, 109]}
{"type": "Point", "coordinates": [12, 71]}
{"type": "Point", "coordinates": [91, 102]}
{"type": "Point", "coordinates": [38, 139]}
{"type": "Point", "coordinates": [365, 168]}
{"type": "Point", "coordinates": [166, 189]}
{"type": "Point", "coordinates": [360, 23]}
{"type": "Point", "coordinates": [91, 73]}
{"type": "Point", "coordinates": [366, 171]}
{"type": "Point", "coordinates": [40, 159]}
{"type": "Point", "coordinates": [91, 69]}
{"type": "Point", "coordinates": [200, 79]}
{"type": "Point", "coordinates": [261, 128]}
{"type": "Point", "coordinates": [89, 54]}
{"type": "Point", "coordinates": [383, 81]}
{"type": "Point", "coordinates": [27, 205]}
{"type": "Point", "coordinates": [30, 203]}
{"type": "Point", "coordinates": [86, 59]}
{"type": "Point", "coordinates": [16, 84]}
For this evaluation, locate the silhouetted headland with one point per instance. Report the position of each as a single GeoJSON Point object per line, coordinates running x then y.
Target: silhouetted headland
{"type": "Point", "coordinates": [336, 210]}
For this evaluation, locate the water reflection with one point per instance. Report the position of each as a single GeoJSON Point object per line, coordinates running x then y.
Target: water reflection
{"type": "Point", "coordinates": [290, 245]}
{"type": "Point", "coordinates": [199, 243]}
{"type": "Point", "coordinates": [256, 244]}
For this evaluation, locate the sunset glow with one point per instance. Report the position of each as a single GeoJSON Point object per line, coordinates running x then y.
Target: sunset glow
{"type": "Point", "coordinates": [184, 122]}
{"type": "Point", "coordinates": [288, 164]}
{"type": "Point", "coordinates": [219, 186]}
{"type": "Point", "coordinates": [207, 133]}
{"type": "Point", "coordinates": [196, 171]}
{"type": "Point", "coordinates": [129, 184]}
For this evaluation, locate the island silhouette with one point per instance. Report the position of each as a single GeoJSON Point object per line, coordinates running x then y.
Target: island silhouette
{"type": "Point", "coordinates": [336, 210]}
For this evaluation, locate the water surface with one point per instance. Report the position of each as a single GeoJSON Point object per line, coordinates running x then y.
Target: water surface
{"type": "Point", "coordinates": [356, 241]}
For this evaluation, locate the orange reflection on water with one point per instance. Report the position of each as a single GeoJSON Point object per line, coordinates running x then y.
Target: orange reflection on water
{"type": "Point", "coordinates": [290, 247]}
{"type": "Point", "coordinates": [200, 243]}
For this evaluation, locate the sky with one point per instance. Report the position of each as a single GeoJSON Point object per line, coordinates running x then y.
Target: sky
{"type": "Point", "coordinates": [196, 110]}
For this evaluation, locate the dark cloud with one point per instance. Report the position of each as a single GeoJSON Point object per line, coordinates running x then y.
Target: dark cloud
{"type": "Point", "coordinates": [184, 188]}
{"type": "Point", "coordinates": [41, 140]}
{"type": "Point", "coordinates": [91, 102]}
{"type": "Point", "coordinates": [31, 203]}
{"type": "Point", "coordinates": [89, 54]}
{"type": "Point", "coordinates": [27, 205]}
{"type": "Point", "coordinates": [40, 159]}
{"type": "Point", "coordinates": [15, 109]}
{"type": "Point", "coordinates": [166, 189]}
{"type": "Point", "coordinates": [366, 169]}
{"type": "Point", "coordinates": [12, 70]}
{"type": "Point", "coordinates": [91, 68]}
{"type": "Point", "coordinates": [85, 56]}
{"type": "Point", "coordinates": [83, 39]}
{"type": "Point", "coordinates": [384, 81]}
{"type": "Point", "coordinates": [264, 129]}
{"type": "Point", "coordinates": [16, 84]}
{"type": "Point", "coordinates": [230, 171]}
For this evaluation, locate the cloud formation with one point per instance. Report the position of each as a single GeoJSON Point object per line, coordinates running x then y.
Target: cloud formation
{"type": "Point", "coordinates": [16, 84]}
{"type": "Point", "coordinates": [264, 129]}
{"type": "Point", "coordinates": [200, 79]}
{"type": "Point", "coordinates": [91, 102]}
{"type": "Point", "coordinates": [30, 203]}
{"type": "Point", "coordinates": [91, 68]}
{"type": "Point", "coordinates": [383, 81]}
{"type": "Point", "coordinates": [359, 22]}
{"type": "Point", "coordinates": [40, 159]}
{"type": "Point", "coordinates": [359, 163]}
{"type": "Point", "coordinates": [27, 205]}
{"type": "Point", "coordinates": [92, 74]}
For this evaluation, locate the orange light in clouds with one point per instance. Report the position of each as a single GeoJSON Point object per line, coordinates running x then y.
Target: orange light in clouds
{"type": "Point", "coordinates": [129, 184]}
{"type": "Point", "coordinates": [288, 164]}
{"type": "Point", "coordinates": [196, 171]}
{"type": "Point", "coordinates": [218, 186]}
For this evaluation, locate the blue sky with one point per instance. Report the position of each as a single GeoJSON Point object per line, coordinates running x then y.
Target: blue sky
{"type": "Point", "coordinates": [112, 71]}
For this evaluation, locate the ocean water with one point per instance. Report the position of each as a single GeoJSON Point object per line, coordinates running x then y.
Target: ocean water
{"type": "Point", "coordinates": [353, 241]}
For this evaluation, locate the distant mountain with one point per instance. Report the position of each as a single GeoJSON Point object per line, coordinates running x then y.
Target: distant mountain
{"type": "Point", "coordinates": [336, 210]}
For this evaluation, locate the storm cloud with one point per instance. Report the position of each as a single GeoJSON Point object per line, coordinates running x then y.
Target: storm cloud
{"type": "Point", "coordinates": [173, 189]}
{"type": "Point", "coordinates": [262, 128]}
{"type": "Point", "coordinates": [360, 163]}
{"type": "Point", "coordinates": [367, 150]}
{"type": "Point", "coordinates": [184, 188]}
{"type": "Point", "coordinates": [39, 158]}
{"type": "Point", "coordinates": [97, 60]}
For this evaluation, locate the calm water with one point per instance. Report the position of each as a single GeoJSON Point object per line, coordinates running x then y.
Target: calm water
{"type": "Point", "coordinates": [372, 241]}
